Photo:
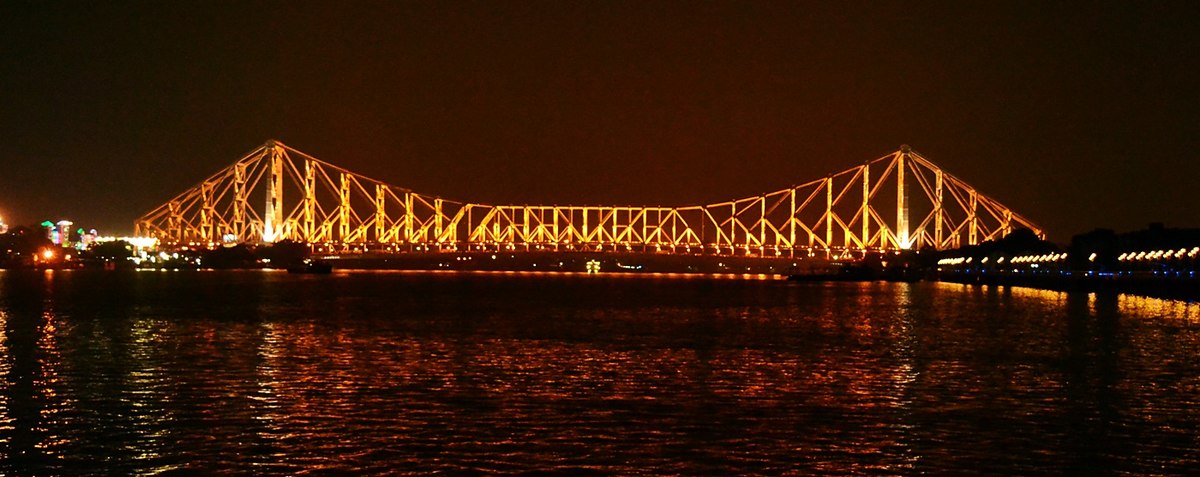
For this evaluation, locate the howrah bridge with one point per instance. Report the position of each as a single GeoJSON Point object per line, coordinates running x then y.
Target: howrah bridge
{"type": "Point", "coordinates": [897, 202]}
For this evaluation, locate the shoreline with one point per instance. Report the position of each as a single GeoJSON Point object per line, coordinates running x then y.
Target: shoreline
{"type": "Point", "coordinates": [1184, 288]}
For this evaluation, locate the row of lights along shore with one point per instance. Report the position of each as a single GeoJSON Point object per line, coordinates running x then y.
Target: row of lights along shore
{"type": "Point", "coordinates": [1164, 259]}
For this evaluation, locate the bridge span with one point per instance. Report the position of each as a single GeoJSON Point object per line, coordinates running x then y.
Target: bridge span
{"type": "Point", "coordinates": [900, 201]}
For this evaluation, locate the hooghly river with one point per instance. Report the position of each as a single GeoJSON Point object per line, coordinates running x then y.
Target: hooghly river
{"type": "Point", "coordinates": [250, 372]}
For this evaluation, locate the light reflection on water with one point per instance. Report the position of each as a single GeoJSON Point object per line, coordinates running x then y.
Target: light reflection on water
{"type": "Point", "coordinates": [248, 372]}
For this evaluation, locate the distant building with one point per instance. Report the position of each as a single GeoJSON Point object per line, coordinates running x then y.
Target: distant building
{"type": "Point", "coordinates": [64, 232]}
{"type": "Point", "coordinates": [60, 233]}
{"type": "Point", "coordinates": [86, 239]}
{"type": "Point", "coordinates": [51, 231]}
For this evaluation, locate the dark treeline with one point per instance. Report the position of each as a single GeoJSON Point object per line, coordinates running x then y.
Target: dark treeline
{"type": "Point", "coordinates": [1019, 242]}
{"type": "Point", "coordinates": [1101, 250]}
{"type": "Point", "coordinates": [282, 254]}
{"type": "Point", "coordinates": [21, 245]}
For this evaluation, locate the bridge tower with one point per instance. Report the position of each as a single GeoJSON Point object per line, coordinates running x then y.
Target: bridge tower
{"type": "Point", "coordinates": [273, 222]}
{"type": "Point", "coordinates": [902, 239]}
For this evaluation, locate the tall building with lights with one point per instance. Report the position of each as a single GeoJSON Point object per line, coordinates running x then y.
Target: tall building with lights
{"type": "Point", "coordinates": [64, 232]}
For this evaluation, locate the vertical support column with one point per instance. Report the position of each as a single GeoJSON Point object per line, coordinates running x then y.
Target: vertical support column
{"type": "Point", "coordinates": [239, 202]}
{"type": "Point", "coordinates": [617, 225]}
{"type": "Point", "coordinates": [828, 213]}
{"type": "Point", "coordinates": [207, 211]}
{"type": "Point", "coordinates": [972, 238]}
{"type": "Point", "coordinates": [273, 221]}
{"type": "Point", "coordinates": [645, 226]}
{"type": "Point", "coordinates": [585, 225]}
{"type": "Point", "coordinates": [792, 223]}
{"type": "Point", "coordinates": [673, 216]}
{"type": "Point", "coordinates": [901, 201]}
{"type": "Point", "coordinates": [310, 202]}
{"type": "Point", "coordinates": [539, 231]}
{"type": "Point", "coordinates": [437, 220]}
{"type": "Point", "coordinates": [380, 212]}
{"type": "Point", "coordinates": [733, 223]}
{"type": "Point", "coordinates": [514, 231]}
{"type": "Point", "coordinates": [637, 236]}
{"type": "Point", "coordinates": [762, 225]}
{"type": "Point", "coordinates": [174, 222]}
{"type": "Point", "coordinates": [344, 208]}
{"type": "Point", "coordinates": [938, 213]}
{"type": "Point", "coordinates": [536, 231]}
{"type": "Point", "coordinates": [471, 225]}
{"type": "Point", "coordinates": [408, 217]}
{"type": "Point", "coordinates": [1007, 222]}
{"type": "Point", "coordinates": [498, 225]}
{"type": "Point", "coordinates": [554, 227]}
{"type": "Point", "coordinates": [615, 215]}
{"type": "Point", "coordinates": [567, 227]}
{"type": "Point", "coordinates": [866, 207]}
{"type": "Point", "coordinates": [546, 236]}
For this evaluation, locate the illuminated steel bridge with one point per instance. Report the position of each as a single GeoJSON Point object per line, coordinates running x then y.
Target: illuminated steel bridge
{"type": "Point", "coordinates": [899, 201]}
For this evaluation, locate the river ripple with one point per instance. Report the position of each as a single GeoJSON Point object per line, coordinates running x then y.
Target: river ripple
{"type": "Point", "coordinates": [426, 373]}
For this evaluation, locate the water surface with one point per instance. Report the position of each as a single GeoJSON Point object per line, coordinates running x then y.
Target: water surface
{"type": "Point", "coordinates": [425, 373]}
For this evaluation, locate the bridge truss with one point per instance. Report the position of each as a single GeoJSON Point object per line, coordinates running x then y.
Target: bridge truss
{"type": "Point", "coordinates": [896, 202]}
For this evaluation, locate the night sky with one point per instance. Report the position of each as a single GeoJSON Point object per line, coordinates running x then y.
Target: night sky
{"type": "Point", "coordinates": [1076, 115]}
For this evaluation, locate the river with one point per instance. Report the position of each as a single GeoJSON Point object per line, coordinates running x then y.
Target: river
{"type": "Point", "coordinates": [406, 373]}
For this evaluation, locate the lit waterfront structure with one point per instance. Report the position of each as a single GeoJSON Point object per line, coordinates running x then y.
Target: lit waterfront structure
{"type": "Point", "coordinates": [1155, 251]}
{"type": "Point", "coordinates": [138, 245]}
{"type": "Point", "coordinates": [53, 234]}
{"type": "Point", "coordinates": [64, 232]}
{"type": "Point", "coordinates": [59, 233]}
{"type": "Point", "coordinates": [3, 226]}
{"type": "Point", "coordinates": [86, 238]}
{"type": "Point", "coordinates": [897, 202]}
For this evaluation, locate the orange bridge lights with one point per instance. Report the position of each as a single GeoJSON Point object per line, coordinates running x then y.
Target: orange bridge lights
{"type": "Point", "coordinates": [896, 202]}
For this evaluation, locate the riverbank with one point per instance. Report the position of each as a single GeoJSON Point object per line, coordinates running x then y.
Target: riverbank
{"type": "Point", "coordinates": [632, 262]}
{"type": "Point", "coordinates": [1169, 286]}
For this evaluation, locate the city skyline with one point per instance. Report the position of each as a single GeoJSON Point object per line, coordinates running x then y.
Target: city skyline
{"type": "Point", "coordinates": [1075, 116]}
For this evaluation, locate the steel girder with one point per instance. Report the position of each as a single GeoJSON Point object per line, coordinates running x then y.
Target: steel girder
{"type": "Point", "coordinates": [898, 201]}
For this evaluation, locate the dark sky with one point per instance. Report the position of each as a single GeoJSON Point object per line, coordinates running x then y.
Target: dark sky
{"type": "Point", "coordinates": [1076, 115]}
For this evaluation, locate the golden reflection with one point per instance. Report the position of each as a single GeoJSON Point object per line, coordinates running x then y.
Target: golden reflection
{"type": "Point", "coordinates": [903, 374]}
{"type": "Point", "coordinates": [46, 383]}
{"type": "Point", "coordinates": [1123, 304]}
{"type": "Point", "coordinates": [266, 399]}
{"type": "Point", "coordinates": [1145, 307]}
{"type": "Point", "coordinates": [852, 378]}
{"type": "Point", "coordinates": [152, 403]}
{"type": "Point", "coordinates": [1004, 293]}
{"type": "Point", "coordinates": [1046, 296]}
{"type": "Point", "coordinates": [7, 420]}
{"type": "Point", "coordinates": [311, 379]}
